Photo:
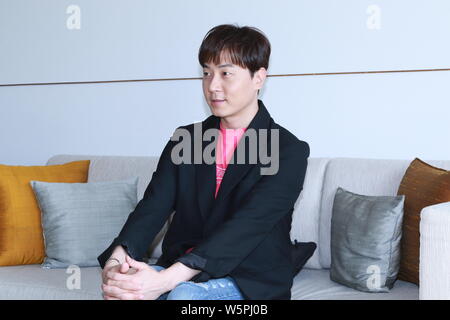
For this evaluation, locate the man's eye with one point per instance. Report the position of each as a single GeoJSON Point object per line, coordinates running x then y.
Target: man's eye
{"type": "Point", "coordinates": [205, 74]}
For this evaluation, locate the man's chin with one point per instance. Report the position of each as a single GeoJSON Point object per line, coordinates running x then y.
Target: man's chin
{"type": "Point", "coordinates": [219, 113]}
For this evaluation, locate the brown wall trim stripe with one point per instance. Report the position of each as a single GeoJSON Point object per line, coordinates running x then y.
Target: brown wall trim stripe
{"type": "Point", "coordinates": [176, 79]}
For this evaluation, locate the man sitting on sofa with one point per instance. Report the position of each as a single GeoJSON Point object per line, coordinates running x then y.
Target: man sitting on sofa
{"type": "Point", "coordinates": [230, 235]}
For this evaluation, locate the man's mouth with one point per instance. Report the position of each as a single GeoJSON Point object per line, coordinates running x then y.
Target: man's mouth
{"type": "Point", "coordinates": [217, 101]}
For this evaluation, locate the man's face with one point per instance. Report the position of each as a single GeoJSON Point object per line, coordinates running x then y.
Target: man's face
{"type": "Point", "coordinates": [232, 86]}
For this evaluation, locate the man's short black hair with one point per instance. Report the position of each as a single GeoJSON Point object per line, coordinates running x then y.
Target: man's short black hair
{"type": "Point", "coordinates": [246, 46]}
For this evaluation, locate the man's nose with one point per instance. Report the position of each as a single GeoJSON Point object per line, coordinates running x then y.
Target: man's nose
{"type": "Point", "coordinates": [215, 84]}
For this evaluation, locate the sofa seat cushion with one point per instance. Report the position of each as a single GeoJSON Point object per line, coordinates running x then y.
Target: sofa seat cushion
{"type": "Point", "coordinates": [32, 282]}
{"type": "Point", "coordinates": [312, 284]}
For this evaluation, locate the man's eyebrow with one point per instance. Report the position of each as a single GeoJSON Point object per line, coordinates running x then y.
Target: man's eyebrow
{"type": "Point", "coordinates": [222, 65]}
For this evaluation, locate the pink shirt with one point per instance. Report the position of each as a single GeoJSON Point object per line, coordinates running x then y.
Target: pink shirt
{"type": "Point", "coordinates": [228, 141]}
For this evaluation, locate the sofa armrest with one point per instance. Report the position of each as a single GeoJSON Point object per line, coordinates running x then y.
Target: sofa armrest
{"type": "Point", "coordinates": [434, 269]}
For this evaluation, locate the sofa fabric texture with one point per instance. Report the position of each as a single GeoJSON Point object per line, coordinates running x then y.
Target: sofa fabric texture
{"type": "Point", "coordinates": [35, 283]}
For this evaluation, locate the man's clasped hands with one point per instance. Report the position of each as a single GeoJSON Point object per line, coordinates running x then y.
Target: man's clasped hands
{"type": "Point", "coordinates": [133, 280]}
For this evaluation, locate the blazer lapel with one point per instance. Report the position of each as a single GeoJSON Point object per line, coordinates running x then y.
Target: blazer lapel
{"type": "Point", "coordinates": [206, 173]}
{"type": "Point", "coordinates": [236, 171]}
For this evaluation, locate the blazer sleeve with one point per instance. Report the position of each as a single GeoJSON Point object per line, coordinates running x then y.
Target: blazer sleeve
{"type": "Point", "coordinates": [150, 214]}
{"type": "Point", "coordinates": [269, 201]}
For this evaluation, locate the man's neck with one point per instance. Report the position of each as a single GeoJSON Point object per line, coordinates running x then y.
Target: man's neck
{"type": "Point", "coordinates": [242, 119]}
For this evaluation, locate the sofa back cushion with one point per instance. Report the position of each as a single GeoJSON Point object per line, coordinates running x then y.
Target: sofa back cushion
{"type": "Point", "coordinates": [306, 216]}
{"type": "Point", "coordinates": [372, 177]}
{"type": "Point", "coordinates": [115, 168]}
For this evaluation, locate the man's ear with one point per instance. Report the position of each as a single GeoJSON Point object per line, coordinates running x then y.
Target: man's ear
{"type": "Point", "coordinates": [260, 77]}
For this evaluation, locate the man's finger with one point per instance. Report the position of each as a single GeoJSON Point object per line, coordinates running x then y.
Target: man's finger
{"type": "Point", "coordinates": [124, 267]}
{"type": "Point", "coordinates": [118, 276]}
{"type": "Point", "coordinates": [130, 296]}
{"type": "Point", "coordinates": [108, 295]}
{"type": "Point", "coordinates": [126, 285]}
{"type": "Point", "coordinates": [114, 291]}
{"type": "Point", "coordinates": [135, 264]}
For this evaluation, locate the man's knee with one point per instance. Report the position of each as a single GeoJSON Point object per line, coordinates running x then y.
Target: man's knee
{"type": "Point", "coordinates": [187, 291]}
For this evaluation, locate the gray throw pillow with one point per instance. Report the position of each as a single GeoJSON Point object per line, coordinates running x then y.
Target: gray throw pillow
{"type": "Point", "coordinates": [80, 220]}
{"type": "Point", "coordinates": [365, 240]}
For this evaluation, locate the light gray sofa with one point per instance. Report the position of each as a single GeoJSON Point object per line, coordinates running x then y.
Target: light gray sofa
{"type": "Point", "coordinates": [311, 222]}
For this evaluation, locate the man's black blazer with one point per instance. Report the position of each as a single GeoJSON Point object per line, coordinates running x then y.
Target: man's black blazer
{"type": "Point", "coordinates": [243, 233]}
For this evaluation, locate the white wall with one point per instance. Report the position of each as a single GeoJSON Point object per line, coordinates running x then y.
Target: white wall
{"type": "Point", "coordinates": [383, 115]}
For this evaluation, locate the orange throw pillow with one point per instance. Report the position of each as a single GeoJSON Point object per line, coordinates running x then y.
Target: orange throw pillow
{"type": "Point", "coordinates": [423, 185]}
{"type": "Point", "coordinates": [21, 237]}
